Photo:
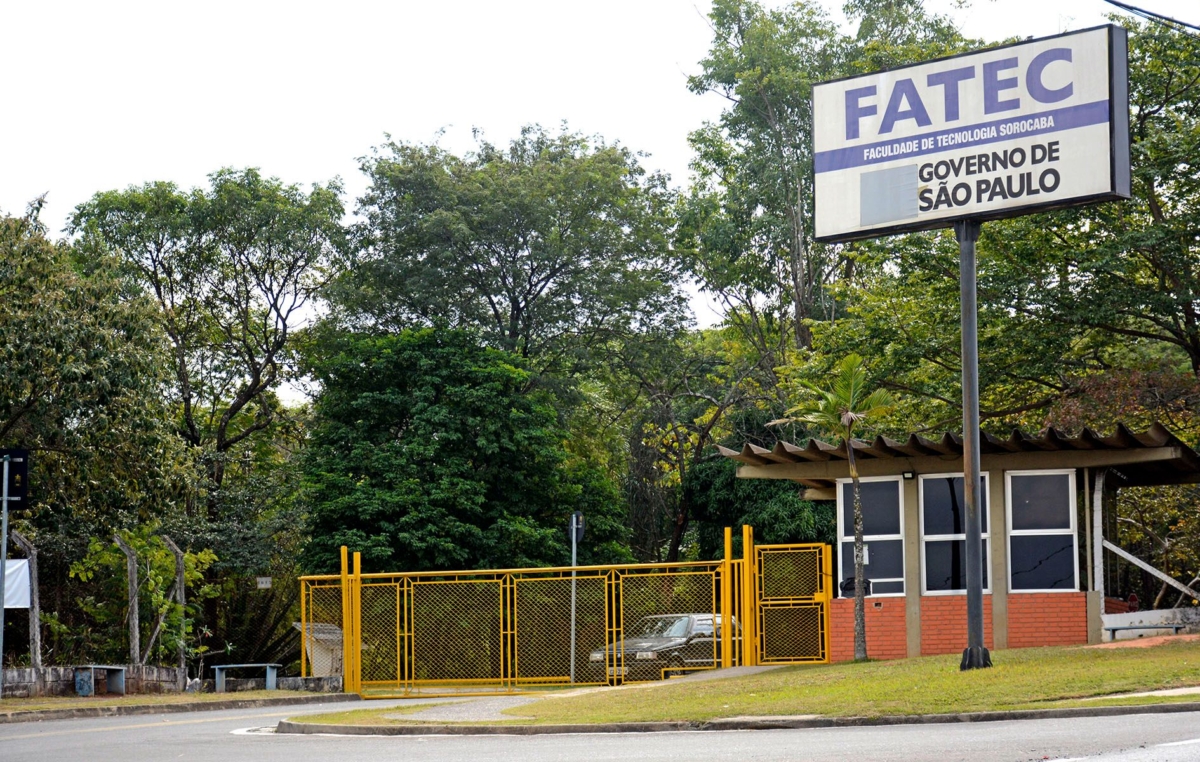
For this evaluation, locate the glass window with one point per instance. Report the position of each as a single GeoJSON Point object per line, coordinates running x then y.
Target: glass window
{"type": "Point", "coordinates": [1041, 501]}
{"type": "Point", "coordinates": [884, 559]}
{"type": "Point", "coordinates": [663, 627]}
{"type": "Point", "coordinates": [880, 507]}
{"type": "Point", "coordinates": [1042, 549]}
{"type": "Point", "coordinates": [943, 508]}
{"type": "Point", "coordinates": [1043, 562]}
{"type": "Point", "coordinates": [883, 535]}
{"type": "Point", "coordinates": [702, 626]}
{"type": "Point", "coordinates": [943, 532]}
{"type": "Point", "coordinates": [945, 566]}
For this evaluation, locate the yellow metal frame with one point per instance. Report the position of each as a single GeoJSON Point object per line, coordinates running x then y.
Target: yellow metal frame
{"type": "Point", "coordinates": [818, 601]}
{"type": "Point", "coordinates": [736, 596]}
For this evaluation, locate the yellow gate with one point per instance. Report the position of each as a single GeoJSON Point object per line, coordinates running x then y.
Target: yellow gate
{"type": "Point", "coordinates": [794, 586]}
{"type": "Point", "coordinates": [517, 629]}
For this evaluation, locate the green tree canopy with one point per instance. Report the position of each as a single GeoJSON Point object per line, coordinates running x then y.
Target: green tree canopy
{"type": "Point", "coordinates": [80, 381]}
{"type": "Point", "coordinates": [428, 452]}
{"type": "Point", "coordinates": [746, 226]}
{"type": "Point", "coordinates": [549, 248]}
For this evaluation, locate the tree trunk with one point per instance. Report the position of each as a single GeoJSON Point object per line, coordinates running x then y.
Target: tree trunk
{"type": "Point", "coordinates": [800, 285]}
{"type": "Point", "coordinates": [677, 532]}
{"type": "Point", "coordinates": [860, 604]}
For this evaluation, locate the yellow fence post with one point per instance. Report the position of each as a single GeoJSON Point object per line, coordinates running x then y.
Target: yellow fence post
{"type": "Point", "coordinates": [356, 619]}
{"type": "Point", "coordinates": [347, 628]}
{"type": "Point", "coordinates": [303, 629]}
{"type": "Point", "coordinates": [727, 602]}
{"type": "Point", "coordinates": [749, 599]}
{"type": "Point", "coordinates": [827, 572]}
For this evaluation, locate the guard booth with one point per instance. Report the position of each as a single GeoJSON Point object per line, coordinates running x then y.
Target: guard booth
{"type": "Point", "coordinates": [1047, 524]}
{"type": "Point", "coordinates": [504, 630]}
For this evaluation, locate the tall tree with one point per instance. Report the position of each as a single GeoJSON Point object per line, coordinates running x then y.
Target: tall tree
{"type": "Point", "coordinates": [80, 387]}
{"type": "Point", "coordinates": [748, 215]}
{"type": "Point", "coordinates": [1131, 270]}
{"type": "Point", "coordinates": [843, 409]}
{"type": "Point", "coordinates": [550, 247]}
{"type": "Point", "coordinates": [429, 452]}
{"type": "Point", "coordinates": [747, 225]}
{"type": "Point", "coordinates": [233, 268]}
{"type": "Point", "coordinates": [80, 374]}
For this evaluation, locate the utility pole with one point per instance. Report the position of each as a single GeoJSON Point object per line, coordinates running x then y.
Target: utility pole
{"type": "Point", "coordinates": [976, 655]}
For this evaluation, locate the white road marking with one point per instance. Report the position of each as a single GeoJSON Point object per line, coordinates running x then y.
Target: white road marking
{"type": "Point", "coordinates": [1181, 743]}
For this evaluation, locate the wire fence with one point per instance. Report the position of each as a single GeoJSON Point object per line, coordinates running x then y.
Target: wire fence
{"type": "Point", "coordinates": [521, 629]}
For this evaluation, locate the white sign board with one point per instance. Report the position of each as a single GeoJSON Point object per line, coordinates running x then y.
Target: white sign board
{"type": "Point", "coordinates": [16, 584]}
{"type": "Point", "coordinates": [1036, 125]}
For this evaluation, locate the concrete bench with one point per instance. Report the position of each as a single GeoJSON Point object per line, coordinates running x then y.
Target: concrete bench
{"type": "Point", "coordinates": [1175, 628]}
{"type": "Point", "coordinates": [85, 678]}
{"type": "Point", "coordinates": [219, 670]}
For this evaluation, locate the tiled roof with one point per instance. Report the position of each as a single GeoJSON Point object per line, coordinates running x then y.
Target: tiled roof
{"type": "Point", "coordinates": [1184, 466]}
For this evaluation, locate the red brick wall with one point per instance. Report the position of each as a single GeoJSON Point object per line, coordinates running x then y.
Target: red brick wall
{"type": "Point", "coordinates": [944, 624]}
{"type": "Point", "coordinates": [886, 633]}
{"type": "Point", "coordinates": [1046, 619]}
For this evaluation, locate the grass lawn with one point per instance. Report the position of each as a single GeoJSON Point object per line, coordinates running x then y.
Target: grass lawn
{"type": "Point", "coordinates": [1028, 678]}
{"type": "Point", "coordinates": [1033, 678]}
{"type": "Point", "coordinates": [140, 699]}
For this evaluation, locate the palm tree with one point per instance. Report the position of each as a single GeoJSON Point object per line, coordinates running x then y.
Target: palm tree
{"type": "Point", "coordinates": [841, 410]}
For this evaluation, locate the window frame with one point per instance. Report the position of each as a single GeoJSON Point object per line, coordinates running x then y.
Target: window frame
{"type": "Point", "coordinates": [984, 477]}
{"type": "Point", "coordinates": [1072, 530]}
{"type": "Point", "coordinates": [867, 538]}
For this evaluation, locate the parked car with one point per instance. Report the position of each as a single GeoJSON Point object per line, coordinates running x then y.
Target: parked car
{"type": "Point", "coordinates": [661, 646]}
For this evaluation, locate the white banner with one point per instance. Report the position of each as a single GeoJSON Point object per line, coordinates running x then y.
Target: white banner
{"type": "Point", "coordinates": [16, 584]}
{"type": "Point", "coordinates": [1039, 124]}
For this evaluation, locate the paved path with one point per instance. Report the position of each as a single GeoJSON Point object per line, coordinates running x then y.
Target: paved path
{"type": "Point", "coordinates": [485, 709]}
{"type": "Point", "coordinates": [491, 708]}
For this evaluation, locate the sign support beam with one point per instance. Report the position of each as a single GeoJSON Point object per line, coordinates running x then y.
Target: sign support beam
{"type": "Point", "coordinates": [976, 655]}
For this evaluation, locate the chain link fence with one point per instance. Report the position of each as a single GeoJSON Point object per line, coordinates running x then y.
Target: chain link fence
{"type": "Point", "coordinates": [521, 629]}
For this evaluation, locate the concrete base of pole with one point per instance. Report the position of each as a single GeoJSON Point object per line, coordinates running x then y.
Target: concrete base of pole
{"type": "Point", "coordinates": [977, 657]}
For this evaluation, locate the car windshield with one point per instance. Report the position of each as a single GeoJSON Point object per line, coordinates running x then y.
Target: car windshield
{"type": "Point", "coordinates": [663, 627]}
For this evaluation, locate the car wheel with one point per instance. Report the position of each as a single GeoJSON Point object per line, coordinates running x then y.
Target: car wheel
{"type": "Point", "coordinates": [675, 667]}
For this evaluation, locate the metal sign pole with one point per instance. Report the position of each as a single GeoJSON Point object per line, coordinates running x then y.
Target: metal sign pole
{"type": "Point", "coordinates": [574, 547]}
{"type": "Point", "coordinates": [975, 655]}
{"type": "Point", "coordinates": [3, 562]}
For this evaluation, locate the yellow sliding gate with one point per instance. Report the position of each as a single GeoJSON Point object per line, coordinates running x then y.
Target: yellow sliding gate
{"type": "Point", "coordinates": [516, 629]}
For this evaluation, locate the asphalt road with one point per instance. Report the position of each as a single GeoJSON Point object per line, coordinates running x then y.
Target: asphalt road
{"type": "Point", "coordinates": [234, 735]}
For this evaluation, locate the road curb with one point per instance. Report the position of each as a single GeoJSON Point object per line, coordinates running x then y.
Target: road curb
{"type": "Point", "coordinates": [121, 710]}
{"type": "Point", "coordinates": [287, 726]}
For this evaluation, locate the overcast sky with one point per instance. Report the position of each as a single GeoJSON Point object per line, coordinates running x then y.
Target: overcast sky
{"type": "Point", "coordinates": [101, 95]}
